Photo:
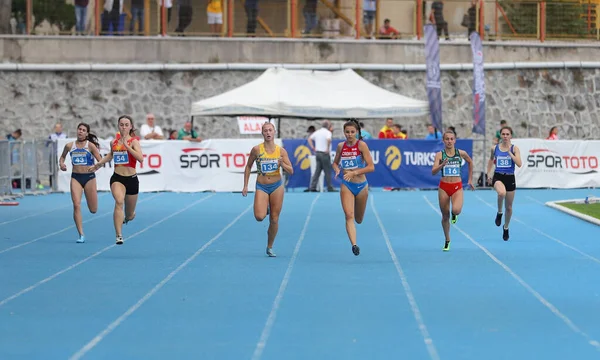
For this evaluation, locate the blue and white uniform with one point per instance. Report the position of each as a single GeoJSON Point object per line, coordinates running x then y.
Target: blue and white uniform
{"type": "Point", "coordinates": [82, 157]}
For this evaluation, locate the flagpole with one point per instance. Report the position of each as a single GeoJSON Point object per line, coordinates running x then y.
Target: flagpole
{"type": "Point", "coordinates": [479, 95]}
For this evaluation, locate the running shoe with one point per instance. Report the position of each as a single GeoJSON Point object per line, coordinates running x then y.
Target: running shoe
{"type": "Point", "coordinates": [270, 252]}
{"type": "Point", "coordinates": [505, 235]}
{"type": "Point", "coordinates": [446, 246]}
{"type": "Point", "coordinates": [81, 239]}
{"type": "Point", "coordinates": [355, 250]}
{"type": "Point", "coordinates": [454, 219]}
{"type": "Point", "coordinates": [119, 240]}
{"type": "Point", "coordinates": [498, 219]}
{"type": "Point", "coordinates": [125, 220]}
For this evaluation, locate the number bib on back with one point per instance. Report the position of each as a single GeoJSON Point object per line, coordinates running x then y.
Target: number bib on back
{"type": "Point", "coordinates": [121, 157]}
{"type": "Point", "coordinates": [451, 170]}
{"type": "Point", "coordinates": [269, 165]}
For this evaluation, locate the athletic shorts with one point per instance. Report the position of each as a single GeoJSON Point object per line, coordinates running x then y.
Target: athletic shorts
{"type": "Point", "coordinates": [450, 188]}
{"type": "Point", "coordinates": [355, 188]}
{"type": "Point", "coordinates": [268, 188]}
{"type": "Point", "coordinates": [131, 183]}
{"type": "Point", "coordinates": [507, 179]}
{"type": "Point", "coordinates": [83, 178]}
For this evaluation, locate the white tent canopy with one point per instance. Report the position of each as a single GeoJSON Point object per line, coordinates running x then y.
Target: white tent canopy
{"type": "Point", "coordinates": [280, 92]}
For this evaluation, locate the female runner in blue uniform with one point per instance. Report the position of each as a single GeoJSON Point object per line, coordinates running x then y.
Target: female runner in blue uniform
{"type": "Point", "coordinates": [504, 156]}
{"type": "Point", "coordinates": [268, 198]}
{"type": "Point", "coordinates": [449, 161]}
{"type": "Point", "coordinates": [354, 158]}
{"type": "Point", "coordinates": [126, 152]}
{"type": "Point", "coordinates": [82, 152]}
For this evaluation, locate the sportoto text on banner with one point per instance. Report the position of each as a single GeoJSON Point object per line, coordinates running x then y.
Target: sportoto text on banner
{"type": "Point", "coordinates": [478, 85]}
{"type": "Point", "coordinates": [434, 87]}
{"type": "Point", "coordinates": [398, 163]}
{"type": "Point", "coordinates": [563, 164]}
{"type": "Point", "coordinates": [181, 166]}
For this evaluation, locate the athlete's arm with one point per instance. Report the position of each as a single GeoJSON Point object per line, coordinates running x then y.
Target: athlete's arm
{"type": "Point", "coordinates": [101, 163]}
{"type": "Point", "coordinates": [63, 156]}
{"type": "Point", "coordinates": [248, 168]}
{"type": "Point", "coordinates": [95, 152]}
{"type": "Point", "coordinates": [437, 163]}
{"type": "Point", "coordinates": [490, 163]}
{"type": "Point", "coordinates": [516, 157]}
{"type": "Point", "coordinates": [135, 149]}
{"type": "Point", "coordinates": [469, 161]}
{"type": "Point", "coordinates": [286, 164]}
{"type": "Point", "coordinates": [336, 159]}
{"type": "Point", "coordinates": [366, 154]}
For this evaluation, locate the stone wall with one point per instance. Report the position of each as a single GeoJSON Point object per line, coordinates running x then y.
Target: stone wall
{"type": "Point", "coordinates": [532, 101]}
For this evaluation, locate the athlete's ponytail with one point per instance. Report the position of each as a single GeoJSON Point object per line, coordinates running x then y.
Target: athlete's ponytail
{"type": "Point", "coordinates": [94, 140]}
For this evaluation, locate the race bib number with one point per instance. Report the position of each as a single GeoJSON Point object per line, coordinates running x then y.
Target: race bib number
{"type": "Point", "coordinates": [349, 162]}
{"type": "Point", "coordinates": [120, 157]}
{"type": "Point", "coordinates": [79, 158]}
{"type": "Point", "coordinates": [451, 170]}
{"type": "Point", "coordinates": [269, 165]}
{"type": "Point", "coordinates": [503, 162]}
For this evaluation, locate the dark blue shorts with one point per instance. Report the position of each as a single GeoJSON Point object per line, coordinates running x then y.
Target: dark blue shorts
{"type": "Point", "coordinates": [83, 178]}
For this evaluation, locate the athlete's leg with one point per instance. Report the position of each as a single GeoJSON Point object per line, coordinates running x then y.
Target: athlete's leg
{"type": "Point", "coordinates": [130, 205]}
{"type": "Point", "coordinates": [510, 197]}
{"type": "Point", "coordinates": [118, 192]}
{"type": "Point", "coordinates": [91, 195]}
{"type": "Point", "coordinates": [276, 202]}
{"type": "Point", "coordinates": [76, 193]}
{"type": "Point", "coordinates": [261, 202]}
{"type": "Point", "coordinates": [457, 204]}
{"type": "Point", "coordinates": [360, 204]}
{"type": "Point", "coordinates": [444, 202]}
{"type": "Point", "coordinates": [501, 190]}
{"type": "Point", "coordinates": [348, 206]}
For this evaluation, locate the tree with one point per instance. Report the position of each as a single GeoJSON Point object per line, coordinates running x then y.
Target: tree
{"type": "Point", "coordinates": [5, 14]}
{"type": "Point", "coordinates": [56, 12]}
{"type": "Point", "coordinates": [562, 18]}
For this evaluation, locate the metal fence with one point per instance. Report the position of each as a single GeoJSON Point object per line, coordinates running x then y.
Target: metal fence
{"type": "Point", "coordinates": [493, 19]}
{"type": "Point", "coordinates": [27, 167]}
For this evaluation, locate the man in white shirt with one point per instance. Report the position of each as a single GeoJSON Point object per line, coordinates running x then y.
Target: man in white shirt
{"type": "Point", "coordinates": [320, 143]}
{"type": "Point", "coordinates": [149, 131]}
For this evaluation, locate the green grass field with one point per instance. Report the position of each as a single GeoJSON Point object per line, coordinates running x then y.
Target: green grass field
{"type": "Point", "coordinates": [592, 210]}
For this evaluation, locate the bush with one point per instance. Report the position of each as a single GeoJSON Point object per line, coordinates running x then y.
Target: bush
{"type": "Point", "coordinates": [56, 12]}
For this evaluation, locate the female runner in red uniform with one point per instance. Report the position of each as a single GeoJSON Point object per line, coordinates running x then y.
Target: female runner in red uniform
{"type": "Point", "coordinates": [124, 184]}
{"type": "Point", "coordinates": [354, 157]}
{"type": "Point", "coordinates": [449, 161]}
